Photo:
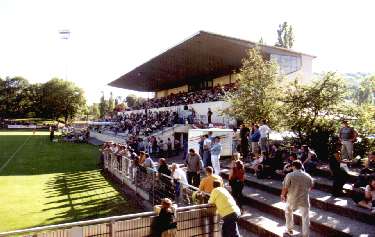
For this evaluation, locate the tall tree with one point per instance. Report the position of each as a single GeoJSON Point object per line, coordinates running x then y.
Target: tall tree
{"type": "Point", "coordinates": [131, 100]}
{"type": "Point", "coordinates": [103, 107]}
{"type": "Point", "coordinates": [61, 98]}
{"type": "Point", "coordinates": [111, 103]}
{"type": "Point", "coordinates": [258, 94]}
{"type": "Point", "coordinates": [365, 93]}
{"type": "Point", "coordinates": [285, 36]}
{"type": "Point", "coordinates": [95, 110]}
{"type": "Point", "coordinates": [14, 97]}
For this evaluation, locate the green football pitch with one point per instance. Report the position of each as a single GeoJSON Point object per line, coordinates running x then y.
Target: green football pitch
{"type": "Point", "coordinates": [44, 183]}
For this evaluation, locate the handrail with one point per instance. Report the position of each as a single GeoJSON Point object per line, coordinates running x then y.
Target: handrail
{"type": "Point", "coordinates": [99, 220]}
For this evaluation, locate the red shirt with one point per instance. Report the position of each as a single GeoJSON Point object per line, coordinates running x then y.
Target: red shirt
{"type": "Point", "coordinates": [238, 174]}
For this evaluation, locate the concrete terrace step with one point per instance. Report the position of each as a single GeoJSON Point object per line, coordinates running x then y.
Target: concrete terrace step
{"type": "Point", "coordinates": [326, 223]}
{"type": "Point", "coordinates": [263, 224]}
{"type": "Point", "coordinates": [340, 205]}
{"type": "Point", "coordinates": [323, 171]}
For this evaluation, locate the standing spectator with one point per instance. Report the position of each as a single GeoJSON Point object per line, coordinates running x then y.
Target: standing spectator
{"type": "Point", "coordinates": [347, 137]}
{"type": "Point", "coordinates": [163, 167]}
{"type": "Point", "coordinates": [51, 133]}
{"type": "Point", "coordinates": [227, 208]}
{"type": "Point", "coordinates": [244, 133]}
{"type": "Point", "coordinates": [264, 131]}
{"type": "Point", "coordinates": [177, 146]}
{"type": "Point", "coordinates": [207, 151]}
{"type": "Point", "coordinates": [215, 155]}
{"type": "Point", "coordinates": [179, 178]}
{"type": "Point", "coordinates": [235, 143]}
{"type": "Point", "coordinates": [169, 147]}
{"type": "Point", "coordinates": [201, 149]}
{"type": "Point", "coordinates": [209, 116]}
{"type": "Point", "coordinates": [295, 193]}
{"type": "Point", "coordinates": [165, 224]}
{"type": "Point", "coordinates": [236, 181]}
{"type": "Point", "coordinates": [194, 167]}
{"type": "Point", "coordinates": [255, 137]}
{"type": "Point", "coordinates": [148, 163]}
{"type": "Point", "coordinates": [207, 183]}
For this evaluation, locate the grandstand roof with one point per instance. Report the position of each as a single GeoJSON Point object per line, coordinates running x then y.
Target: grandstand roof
{"type": "Point", "coordinates": [204, 55]}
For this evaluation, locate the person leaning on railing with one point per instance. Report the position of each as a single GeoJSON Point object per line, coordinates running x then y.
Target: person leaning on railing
{"type": "Point", "coordinates": [227, 208]}
{"type": "Point", "coordinates": [165, 224]}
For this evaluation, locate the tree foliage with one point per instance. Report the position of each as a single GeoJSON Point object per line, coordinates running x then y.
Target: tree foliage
{"type": "Point", "coordinates": [258, 95]}
{"type": "Point", "coordinates": [306, 105]}
{"type": "Point", "coordinates": [103, 107]}
{"type": "Point", "coordinates": [131, 100]}
{"type": "Point", "coordinates": [54, 99]}
{"type": "Point", "coordinates": [285, 36]}
{"type": "Point", "coordinates": [61, 98]}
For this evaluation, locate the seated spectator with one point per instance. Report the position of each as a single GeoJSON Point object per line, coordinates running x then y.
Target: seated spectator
{"type": "Point", "coordinates": [275, 161]}
{"type": "Point", "coordinates": [367, 171]}
{"type": "Point", "coordinates": [309, 159]}
{"type": "Point", "coordinates": [207, 183]}
{"type": "Point", "coordinates": [288, 167]}
{"type": "Point", "coordinates": [256, 163]}
{"type": "Point", "coordinates": [339, 174]}
{"type": "Point", "coordinates": [367, 200]}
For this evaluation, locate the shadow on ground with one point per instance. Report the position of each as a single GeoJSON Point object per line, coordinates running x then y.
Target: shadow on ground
{"type": "Point", "coordinates": [84, 195]}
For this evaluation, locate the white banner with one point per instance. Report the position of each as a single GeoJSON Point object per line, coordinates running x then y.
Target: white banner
{"type": "Point", "coordinates": [21, 126]}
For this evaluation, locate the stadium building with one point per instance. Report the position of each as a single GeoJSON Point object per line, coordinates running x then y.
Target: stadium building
{"type": "Point", "coordinates": [206, 60]}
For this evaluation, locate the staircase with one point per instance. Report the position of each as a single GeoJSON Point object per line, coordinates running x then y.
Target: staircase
{"type": "Point", "coordinates": [329, 216]}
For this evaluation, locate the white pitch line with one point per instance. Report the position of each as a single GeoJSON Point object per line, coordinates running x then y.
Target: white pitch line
{"type": "Point", "coordinates": [18, 149]}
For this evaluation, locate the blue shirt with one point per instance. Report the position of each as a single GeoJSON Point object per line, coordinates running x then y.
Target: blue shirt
{"type": "Point", "coordinates": [255, 136]}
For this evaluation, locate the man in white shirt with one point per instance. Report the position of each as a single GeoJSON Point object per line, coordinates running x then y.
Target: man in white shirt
{"type": "Point", "coordinates": [207, 142]}
{"type": "Point", "coordinates": [264, 131]}
{"type": "Point", "coordinates": [295, 192]}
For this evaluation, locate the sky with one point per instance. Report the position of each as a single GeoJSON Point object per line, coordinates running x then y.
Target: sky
{"type": "Point", "coordinates": [110, 38]}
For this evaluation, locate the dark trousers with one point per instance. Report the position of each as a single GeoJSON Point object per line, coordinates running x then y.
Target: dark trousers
{"type": "Point", "coordinates": [237, 186]}
{"type": "Point", "coordinates": [207, 158]}
{"type": "Point", "coordinates": [193, 178]}
{"type": "Point", "coordinates": [340, 176]}
{"type": "Point", "coordinates": [230, 228]}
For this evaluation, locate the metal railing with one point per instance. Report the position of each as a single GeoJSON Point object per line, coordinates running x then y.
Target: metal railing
{"type": "Point", "coordinates": [194, 216]}
{"type": "Point", "coordinates": [199, 220]}
{"type": "Point", "coordinates": [151, 185]}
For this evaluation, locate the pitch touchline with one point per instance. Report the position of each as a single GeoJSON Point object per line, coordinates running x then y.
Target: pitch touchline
{"type": "Point", "coordinates": [18, 149]}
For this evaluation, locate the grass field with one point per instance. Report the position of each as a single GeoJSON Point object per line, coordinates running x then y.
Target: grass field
{"type": "Point", "coordinates": [45, 183]}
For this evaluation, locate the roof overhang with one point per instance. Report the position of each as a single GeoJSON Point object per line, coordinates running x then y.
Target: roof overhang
{"type": "Point", "coordinates": [203, 56]}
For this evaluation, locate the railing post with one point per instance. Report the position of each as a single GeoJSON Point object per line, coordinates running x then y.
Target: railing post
{"type": "Point", "coordinates": [76, 231]}
{"type": "Point", "coordinates": [153, 189]}
{"type": "Point", "coordinates": [112, 229]}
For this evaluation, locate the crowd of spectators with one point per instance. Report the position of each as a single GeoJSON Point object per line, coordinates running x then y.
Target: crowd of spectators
{"type": "Point", "coordinates": [183, 98]}
{"type": "Point", "coordinates": [140, 124]}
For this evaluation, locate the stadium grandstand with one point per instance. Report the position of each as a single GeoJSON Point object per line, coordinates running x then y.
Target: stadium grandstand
{"type": "Point", "coordinates": [198, 72]}
{"type": "Point", "coordinates": [158, 151]}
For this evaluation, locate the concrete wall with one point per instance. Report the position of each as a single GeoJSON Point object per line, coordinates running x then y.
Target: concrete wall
{"type": "Point", "coordinates": [221, 80]}
{"type": "Point", "coordinates": [176, 90]}
{"type": "Point", "coordinates": [304, 74]}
